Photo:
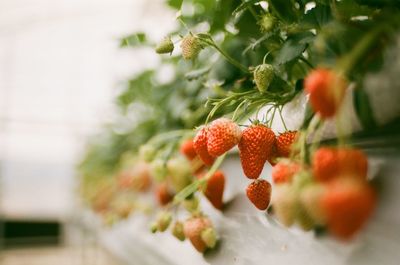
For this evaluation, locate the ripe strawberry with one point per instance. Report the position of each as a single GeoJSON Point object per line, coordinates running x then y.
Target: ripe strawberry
{"type": "Point", "coordinates": [165, 46]}
{"type": "Point", "coordinates": [348, 203]}
{"type": "Point", "coordinates": [328, 163]}
{"type": "Point", "coordinates": [326, 89]}
{"type": "Point", "coordinates": [284, 171]}
{"type": "Point", "coordinates": [193, 227]}
{"type": "Point", "coordinates": [187, 149]}
{"type": "Point", "coordinates": [200, 146]}
{"type": "Point", "coordinates": [285, 204]}
{"type": "Point", "coordinates": [214, 189]}
{"type": "Point", "coordinates": [263, 75]}
{"type": "Point", "coordinates": [259, 193]}
{"type": "Point", "coordinates": [223, 134]}
{"type": "Point", "coordinates": [284, 143]}
{"type": "Point", "coordinates": [163, 195]}
{"type": "Point", "coordinates": [191, 47]}
{"type": "Point", "coordinates": [255, 147]}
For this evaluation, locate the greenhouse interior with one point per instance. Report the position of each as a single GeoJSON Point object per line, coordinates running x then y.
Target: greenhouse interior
{"type": "Point", "coordinates": [176, 132]}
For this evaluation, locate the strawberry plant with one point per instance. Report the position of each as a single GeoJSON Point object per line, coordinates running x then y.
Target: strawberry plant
{"type": "Point", "coordinates": [238, 60]}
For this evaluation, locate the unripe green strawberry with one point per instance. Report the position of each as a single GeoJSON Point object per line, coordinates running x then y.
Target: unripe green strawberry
{"type": "Point", "coordinates": [303, 219]}
{"type": "Point", "coordinates": [263, 75]}
{"type": "Point", "coordinates": [179, 172]}
{"type": "Point", "coordinates": [310, 198]}
{"type": "Point", "coordinates": [191, 47]}
{"type": "Point", "coordinates": [267, 23]}
{"type": "Point", "coordinates": [209, 237]}
{"type": "Point", "coordinates": [153, 227]}
{"type": "Point", "coordinates": [147, 152]}
{"type": "Point", "coordinates": [165, 46]}
{"type": "Point", "coordinates": [163, 221]}
{"type": "Point", "coordinates": [285, 202]}
{"type": "Point", "coordinates": [158, 170]}
{"type": "Point", "coordinates": [191, 205]}
{"type": "Point", "coordinates": [177, 231]}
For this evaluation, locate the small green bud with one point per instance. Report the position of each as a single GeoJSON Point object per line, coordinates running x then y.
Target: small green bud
{"type": "Point", "coordinates": [158, 170]}
{"type": "Point", "coordinates": [191, 205]}
{"type": "Point", "coordinates": [163, 221]}
{"type": "Point", "coordinates": [263, 75]}
{"type": "Point", "coordinates": [165, 46]}
{"type": "Point", "coordinates": [153, 227]}
{"type": "Point", "coordinates": [177, 231]}
{"type": "Point", "coordinates": [209, 237]}
{"type": "Point", "coordinates": [191, 47]}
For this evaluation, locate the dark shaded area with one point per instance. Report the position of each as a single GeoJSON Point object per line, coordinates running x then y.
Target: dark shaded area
{"type": "Point", "coordinates": [30, 233]}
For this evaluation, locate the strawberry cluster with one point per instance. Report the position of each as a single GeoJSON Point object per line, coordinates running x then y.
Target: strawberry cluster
{"type": "Point", "coordinates": [257, 144]}
{"type": "Point", "coordinates": [333, 192]}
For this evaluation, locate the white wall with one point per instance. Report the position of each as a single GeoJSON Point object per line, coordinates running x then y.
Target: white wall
{"type": "Point", "coordinates": [59, 68]}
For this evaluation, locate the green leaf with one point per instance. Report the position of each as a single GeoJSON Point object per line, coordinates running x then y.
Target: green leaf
{"type": "Point", "coordinates": [284, 9]}
{"type": "Point", "coordinates": [175, 3]}
{"type": "Point", "coordinates": [290, 51]}
{"type": "Point", "coordinates": [135, 39]}
{"type": "Point", "coordinates": [318, 16]}
{"type": "Point", "coordinates": [363, 108]}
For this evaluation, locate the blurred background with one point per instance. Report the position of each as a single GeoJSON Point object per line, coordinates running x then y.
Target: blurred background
{"type": "Point", "coordinates": [60, 64]}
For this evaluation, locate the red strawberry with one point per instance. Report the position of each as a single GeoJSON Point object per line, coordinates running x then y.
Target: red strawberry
{"type": "Point", "coordinates": [223, 134]}
{"type": "Point", "coordinates": [214, 190]}
{"type": "Point", "coordinates": [259, 193]}
{"type": "Point", "coordinates": [347, 203]}
{"type": "Point", "coordinates": [187, 149]}
{"type": "Point", "coordinates": [163, 195]}
{"type": "Point", "coordinates": [255, 148]}
{"type": "Point", "coordinates": [200, 146]}
{"type": "Point", "coordinates": [284, 171]}
{"type": "Point", "coordinates": [328, 163]}
{"type": "Point", "coordinates": [193, 227]}
{"type": "Point", "coordinates": [326, 89]}
{"type": "Point", "coordinates": [284, 143]}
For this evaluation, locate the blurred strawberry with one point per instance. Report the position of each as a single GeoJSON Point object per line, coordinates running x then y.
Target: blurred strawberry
{"type": "Point", "coordinates": [330, 162]}
{"type": "Point", "coordinates": [348, 204]}
{"type": "Point", "coordinates": [200, 146]}
{"type": "Point", "coordinates": [187, 149]}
